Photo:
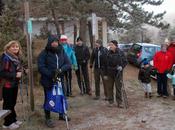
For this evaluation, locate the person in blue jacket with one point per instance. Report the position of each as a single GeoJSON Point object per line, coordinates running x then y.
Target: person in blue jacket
{"type": "Point", "coordinates": [71, 55]}
{"type": "Point", "coordinates": [52, 60]}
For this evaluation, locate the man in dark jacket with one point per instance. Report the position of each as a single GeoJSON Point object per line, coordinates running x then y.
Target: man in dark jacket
{"type": "Point", "coordinates": [52, 60]}
{"type": "Point", "coordinates": [82, 55]}
{"type": "Point", "coordinates": [99, 57]}
{"type": "Point", "coordinates": [116, 62]}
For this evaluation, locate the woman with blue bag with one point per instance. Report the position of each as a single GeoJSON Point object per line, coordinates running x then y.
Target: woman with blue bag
{"type": "Point", "coordinates": [172, 77]}
{"type": "Point", "coordinates": [52, 63]}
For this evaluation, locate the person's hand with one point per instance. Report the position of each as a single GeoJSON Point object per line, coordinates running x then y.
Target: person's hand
{"type": "Point", "coordinates": [119, 68]}
{"type": "Point", "coordinates": [105, 77]}
{"type": "Point", "coordinates": [166, 71]}
{"type": "Point", "coordinates": [74, 67]}
{"type": "Point", "coordinates": [18, 74]}
{"type": "Point", "coordinates": [90, 66]}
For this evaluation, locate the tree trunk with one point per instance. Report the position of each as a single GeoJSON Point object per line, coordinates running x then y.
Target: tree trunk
{"type": "Point", "coordinates": [90, 34]}
{"type": "Point", "coordinates": [54, 17]}
{"type": "Point", "coordinates": [83, 25]}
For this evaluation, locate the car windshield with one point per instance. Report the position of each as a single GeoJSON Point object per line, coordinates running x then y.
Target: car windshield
{"type": "Point", "coordinates": [149, 49]}
{"type": "Point", "coordinates": [136, 47]}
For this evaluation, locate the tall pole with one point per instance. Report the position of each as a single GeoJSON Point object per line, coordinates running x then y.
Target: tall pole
{"type": "Point", "coordinates": [29, 55]}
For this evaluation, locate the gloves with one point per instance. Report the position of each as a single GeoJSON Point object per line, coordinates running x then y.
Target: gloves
{"type": "Point", "coordinates": [74, 67]}
{"type": "Point", "coordinates": [119, 68]}
{"type": "Point", "coordinates": [105, 77]}
{"type": "Point", "coordinates": [56, 74]}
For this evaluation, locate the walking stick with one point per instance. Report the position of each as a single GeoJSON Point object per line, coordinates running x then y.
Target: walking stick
{"type": "Point", "coordinates": [83, 91]}
{"type": "Point", "coordinates": [123, 91]}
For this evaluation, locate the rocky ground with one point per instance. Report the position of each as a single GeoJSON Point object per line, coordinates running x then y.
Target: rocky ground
{"type": "Point", "coordinates": [88, 114]}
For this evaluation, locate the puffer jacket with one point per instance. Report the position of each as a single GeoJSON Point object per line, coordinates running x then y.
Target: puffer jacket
{"type": "Point", "coordinates": [49, 61]}
{"type": "Point", "coordinates": [145, 75]}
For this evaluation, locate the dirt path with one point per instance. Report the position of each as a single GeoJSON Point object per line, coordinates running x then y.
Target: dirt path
{"type": "Point", "coordinates": [88, 114]}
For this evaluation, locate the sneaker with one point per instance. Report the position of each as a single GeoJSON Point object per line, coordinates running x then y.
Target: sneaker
{"type": "Point", "coordinates": [150, 95]}
{"type": "Point", "coordinates": [63, 117]}
{"type": "Point", "coordinates": [18, 122]}
{"type": "Point", "coordinates": [159, 95]}
{"type": "Point", "coordinates": [13, 126]}
{"type": "Point", "coordinates": [164, 96]}
{"type": "Point", "coordinates": [146, 94]}
{"type": "Point", "coordinates": [50, 123]}
{"type": "Point", "coordinates": [120, 105]}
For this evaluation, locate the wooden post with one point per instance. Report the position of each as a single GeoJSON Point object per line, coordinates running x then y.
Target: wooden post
{"type": "Point", "coordinates": [29, 55]}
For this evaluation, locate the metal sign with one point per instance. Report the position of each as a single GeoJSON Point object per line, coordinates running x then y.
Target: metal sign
{"type": "Point", "coordinates": [29, 26]}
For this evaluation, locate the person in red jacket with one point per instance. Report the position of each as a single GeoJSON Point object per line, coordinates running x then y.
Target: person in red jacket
{"type": "Point", "coordinates": [162, 63]}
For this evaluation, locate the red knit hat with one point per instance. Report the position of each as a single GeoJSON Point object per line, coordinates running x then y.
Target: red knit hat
{"type": "Point", "coordinates": [63, 38]}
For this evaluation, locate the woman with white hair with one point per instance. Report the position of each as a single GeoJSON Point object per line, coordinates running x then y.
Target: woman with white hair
{"type": "Point", "coordinates": [10, 73]}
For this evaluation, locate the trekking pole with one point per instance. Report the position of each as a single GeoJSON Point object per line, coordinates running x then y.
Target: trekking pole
{"type": "Point", "coordinates": [21, 94]}
{"type": "Point", "coordinates": [64, 103]}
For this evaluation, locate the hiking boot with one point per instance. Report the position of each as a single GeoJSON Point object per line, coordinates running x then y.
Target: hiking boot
{"type": "Point", "coordinates": [150, 95]}
{"type": "Point", "coordinates": [120, 105]}
{"type": "Point", "coordinates": [13, 126]}
{"type": "Point", "coordinates": [146, 94]}
{"type": "Point", "coordinates": [96, 98]}
{"type": "Point", "coordinates": [63, 117]}
{"type": "Point", "coordinates": [18, 122]}
{"type": "Point", "coordinates": [50, 123]}
{"type": "Point", "coordinates": [159, 95]}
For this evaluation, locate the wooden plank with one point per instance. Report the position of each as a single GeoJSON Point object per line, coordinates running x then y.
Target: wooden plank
{"type": "Point", "coordinates": [4, 113]}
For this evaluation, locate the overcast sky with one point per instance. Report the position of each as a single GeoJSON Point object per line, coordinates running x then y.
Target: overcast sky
{"type": "Point", "coordinates": [168, 6]}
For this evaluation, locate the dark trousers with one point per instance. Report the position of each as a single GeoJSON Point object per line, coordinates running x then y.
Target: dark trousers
{"type": "Point", "coordinates": [68, 82]}
{"type": "Point", "coordinates": [174, 90]}
{"type": "Point", "coordinates": [162, 84]}
{"type": "Point", "coordinates": [97, 74]}
{"type": "Point", "coordinates": [9, 98]}
{"type": "Point", "coordinates": [110, 88]}
{"type": "Point", "coordinates": [83, 78]}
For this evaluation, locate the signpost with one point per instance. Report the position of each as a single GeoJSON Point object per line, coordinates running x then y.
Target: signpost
{"type": "Point", "coordinates": [28, 25]}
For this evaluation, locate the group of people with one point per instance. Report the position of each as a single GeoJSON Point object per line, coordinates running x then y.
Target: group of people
{"type": "Point", "coordinates": [60, 58]}
{"type": "Point", "coordinates": [164, 69]}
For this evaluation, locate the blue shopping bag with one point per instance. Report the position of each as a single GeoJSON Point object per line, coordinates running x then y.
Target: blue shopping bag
{"type": "Point", "coordinates": [56, 101]}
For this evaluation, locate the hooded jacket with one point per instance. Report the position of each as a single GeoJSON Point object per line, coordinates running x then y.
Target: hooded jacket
{"type": "Point", "coordinates": [49, 60]}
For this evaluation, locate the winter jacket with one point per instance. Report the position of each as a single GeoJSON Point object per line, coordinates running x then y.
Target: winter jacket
{"type": "Point", "coordinates": [49, 61]}
{"type": "Point", "coordinates": [71, 55]}
{"type": "Point", "coordinates": [101, 61]}
{"type": "Point", "coordinates": [82, 54]}
{"type": "Point", "coordinates": [145, 75]}
{"type": "Point", "coordinates": [8, 69]}
{"type": "Point", "coordinates": [115, 59]}
{"type": "Point", "coordinates": [172, 77]}
{"type": "Point", "coordinates": [162, 61]}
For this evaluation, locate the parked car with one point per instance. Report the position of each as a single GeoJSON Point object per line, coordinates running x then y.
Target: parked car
{"type": "Point", "coordinates": [140, 51]}
{"type": "Point", "coordinates": [125, 47]}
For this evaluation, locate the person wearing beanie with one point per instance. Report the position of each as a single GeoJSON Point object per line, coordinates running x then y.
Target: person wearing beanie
{"type": "Point", "coordinates": [82, 55]}
{"type": "Point", "coordinates": [144, 77]}
{"type": "Point", "coordinates": [71, 55]}
{"type": "Point", "coordinates": [51, 61]}
{"type": "Point", "coordinates": [116, 62]}
{"type": "Point", "coordinates": [98, 61]}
